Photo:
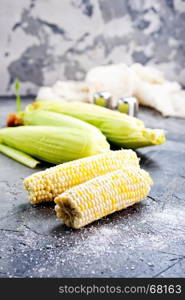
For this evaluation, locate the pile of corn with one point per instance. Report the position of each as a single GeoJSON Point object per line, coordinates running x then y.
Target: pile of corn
{"type": "Point", "coordinates": [90, 181]}
{"type": "Point", "coordinates": [88, 189]}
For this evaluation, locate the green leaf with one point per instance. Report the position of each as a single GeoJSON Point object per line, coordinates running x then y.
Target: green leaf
{"type": "Point", "coordinates": [18, 98]}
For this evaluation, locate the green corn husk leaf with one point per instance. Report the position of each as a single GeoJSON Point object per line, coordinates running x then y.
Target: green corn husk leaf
{"type": "Point", "coordinates": [19, 156]}
{"type": "Point", "coordinates": [53, 144]}
{"type": "Point", "coordinates": [120, 129]}
{"type": "Point", "coordinates": [142, 138]}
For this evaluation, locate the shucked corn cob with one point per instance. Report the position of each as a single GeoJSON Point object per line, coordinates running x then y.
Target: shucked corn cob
{"type": "Point", "coordinates": [54, 144]}
{"type": "Point", "coordinates": [101, 196]}
{"type": "Point", "coordinates": [120, 129]}
{"type": "Point", "coordinates": [45, 185]}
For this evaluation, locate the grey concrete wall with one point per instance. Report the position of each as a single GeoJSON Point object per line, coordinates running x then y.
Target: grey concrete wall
{"type": "Point", "coordinates": [45, 40]}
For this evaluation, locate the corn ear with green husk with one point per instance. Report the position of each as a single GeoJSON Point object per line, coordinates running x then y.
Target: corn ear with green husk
{"type": "Point", "coordinates": [48, 118]}
{"type": "Point", "coordinates": [120, 129]}
{"type": "Point", "coordinates": [53, 144]}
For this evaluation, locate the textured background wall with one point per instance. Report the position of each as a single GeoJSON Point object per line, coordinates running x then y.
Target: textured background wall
{"type": "Point", "coordinates": [45, 40]}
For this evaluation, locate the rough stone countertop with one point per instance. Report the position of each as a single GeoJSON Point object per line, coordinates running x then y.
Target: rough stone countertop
{"type": "Point", "coordinates": [146, 240]}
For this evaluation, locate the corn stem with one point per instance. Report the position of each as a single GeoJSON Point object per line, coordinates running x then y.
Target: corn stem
{"type": "Point", "coordinates": [18, 98]}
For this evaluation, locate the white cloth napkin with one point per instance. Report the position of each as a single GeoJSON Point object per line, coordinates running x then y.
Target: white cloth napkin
{"type": "Point", "coordinates": [146, 83]}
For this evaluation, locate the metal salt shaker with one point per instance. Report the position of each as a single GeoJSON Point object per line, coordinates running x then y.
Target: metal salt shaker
{"type": "Point", "coordinates": [103, 99]}
{"type": "Point", "coordinates": [128, 105]}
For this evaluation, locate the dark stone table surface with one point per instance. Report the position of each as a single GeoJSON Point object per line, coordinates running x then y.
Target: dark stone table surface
{"type": "Point", "coordinates": [146, 240]}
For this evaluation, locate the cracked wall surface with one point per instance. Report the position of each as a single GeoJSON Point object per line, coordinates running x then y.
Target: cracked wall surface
{"type": "Point", "coordinates": [42, 41]}
{"type": "Point", "coordinates": [145, 240]}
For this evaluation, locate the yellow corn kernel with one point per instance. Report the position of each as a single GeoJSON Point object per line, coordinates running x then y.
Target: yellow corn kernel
{"type": "Point", "coordinates": [114, 191]}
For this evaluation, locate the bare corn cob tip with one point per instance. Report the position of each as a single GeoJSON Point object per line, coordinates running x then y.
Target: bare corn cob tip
{"type": "Point", "coordinates": [46, 185]}
{"type": "Point", "coordinates": [102, 196]}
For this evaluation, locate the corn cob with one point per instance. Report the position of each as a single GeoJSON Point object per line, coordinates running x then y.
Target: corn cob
{"type": "Point", "coordinates": [53, 144]}
{"type": "Point", "coordinates": [120, 129]}
{"type": "Point", "coordinates": [46, 185]}
{"type": "Point", "coordinates": [101, 196]}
